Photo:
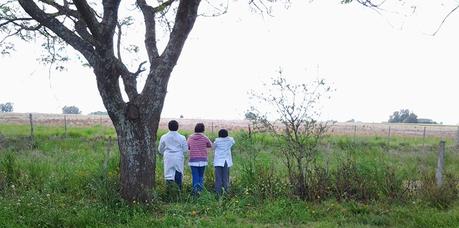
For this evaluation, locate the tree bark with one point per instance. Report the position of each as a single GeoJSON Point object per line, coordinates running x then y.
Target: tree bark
{"type": "Point", "coordinates": [137, 161]}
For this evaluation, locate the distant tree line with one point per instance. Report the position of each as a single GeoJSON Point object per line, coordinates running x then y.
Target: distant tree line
{"type": "Point", "coordinates": [405, 116]}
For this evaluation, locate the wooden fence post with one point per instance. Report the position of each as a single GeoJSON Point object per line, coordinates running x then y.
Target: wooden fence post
{"type": "Point", "coordinates": [457, 137]}
{"type": "Point", "coordinates": [440, 163]}
{"type": "Point", "coordinates": [32, 140]}
{"type": "Point", "coordinates": [355, 131]}
{"type": "Point", "coordinates": [250, 131]}
{"type": "Point", "coordinates": [424, 140]}
{"type": "Point", "coordinates": [388, 138]}
{"type": "Point", "coordinates": [107, 154]}
{"type": "Point", "coordinates": [65, 125]}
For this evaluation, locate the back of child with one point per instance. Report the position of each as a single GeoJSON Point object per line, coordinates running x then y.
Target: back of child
{"type": "Point", "coordinates": [222, 160]}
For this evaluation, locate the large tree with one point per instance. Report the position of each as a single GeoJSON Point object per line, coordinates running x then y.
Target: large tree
{"type": "Point", "coordinates": [91, 31]}
{"type": "Point", "coordinates": [93, 28]}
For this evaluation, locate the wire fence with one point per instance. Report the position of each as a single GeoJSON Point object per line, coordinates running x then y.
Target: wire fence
{"type": "Point", "coordinates": [355, 130]}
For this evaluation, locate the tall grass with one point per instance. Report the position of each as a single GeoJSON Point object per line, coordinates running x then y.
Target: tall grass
{"type": "Point", "coordinates": [63, 182]}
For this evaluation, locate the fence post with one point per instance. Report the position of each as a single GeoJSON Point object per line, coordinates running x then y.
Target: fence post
{"type": "Point", "coordinates": [250, 131]}
{"type": "Point", "coordinates": [440, 163]}
{"type": "Point", "coordinates": [31, 130]}
{"type": "Point", "coordinates": [388, 137]}
{"type": "Point", "coordinates": [65, 125]}
{"type": "Point", "coordinates": [457, 137]}
{"type": "Point", "coordinates": [424, 140]}
{"type": "Point", "coordinates": [355, 131]}
{"type": "Point", "coordinates": [107, 154]}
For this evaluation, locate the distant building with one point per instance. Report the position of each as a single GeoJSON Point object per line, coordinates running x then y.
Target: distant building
{"type": "Point", "coordinates": [426, 121]}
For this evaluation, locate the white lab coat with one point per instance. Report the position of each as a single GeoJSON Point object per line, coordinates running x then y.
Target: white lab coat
{"type": "Point", "coordinates": [173, 147]}
{"type": "Point", "coordinates": [223, 151]}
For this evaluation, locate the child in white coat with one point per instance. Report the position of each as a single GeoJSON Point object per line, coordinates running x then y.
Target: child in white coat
{"type": "Point", "coordinates": [222, 160]}
{"type": "Point", "coordinates": [173, 146]}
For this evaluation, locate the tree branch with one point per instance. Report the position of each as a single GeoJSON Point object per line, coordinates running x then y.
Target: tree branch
{"type": "Point", "coordinates": [184, 21]}
{"type": "Point", "coordinates": [88, 16]}
{"type": "Point", "coordinates": [109, 20]}
{"type": "Point", "coordinates": [13, 20]}
{"type": "Point", "coordinates": [59, 29]}
{"type": "Point", "coordinates": [118, 44]}
{"type": "Point", "coordinates": [81, 29]}
{"type": "Point", "coordinates": [130, 79]}
{"type": "Point", "coordinates": [163, 5]}
{"type": "Point", "coordinates": [64, 9]}
{"type": "Point", "coordinates": [444, 19]}
{"type": "Point", "coordinates": [150, 30]}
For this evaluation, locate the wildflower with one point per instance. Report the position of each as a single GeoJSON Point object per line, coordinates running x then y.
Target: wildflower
{"type": "Point", "coordinates": [48, 195]}
{"type": "Point", "coordinates": [12, 186]}
{"type": "Point", "coordinates": [193, 213]}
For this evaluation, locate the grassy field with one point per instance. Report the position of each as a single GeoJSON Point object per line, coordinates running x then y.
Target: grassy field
{"type": "Point", "coordinates": [369, 181]}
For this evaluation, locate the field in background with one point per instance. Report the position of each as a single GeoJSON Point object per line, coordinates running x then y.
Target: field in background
{"type": "Point", "coordinates": [350, 129]}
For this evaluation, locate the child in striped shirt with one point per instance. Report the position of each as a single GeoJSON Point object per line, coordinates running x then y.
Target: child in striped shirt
{"type": "Point", "coordinates": [198, 143]}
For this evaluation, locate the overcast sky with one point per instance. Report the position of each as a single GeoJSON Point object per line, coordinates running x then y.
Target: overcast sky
{"type": "Point", "coordinates": [378, 63]}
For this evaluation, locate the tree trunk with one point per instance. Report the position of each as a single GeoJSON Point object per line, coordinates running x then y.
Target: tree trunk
{"type": "Point", "coordinates": [136, 124]}
{"type": "Point", "coordinates": [136, 142]}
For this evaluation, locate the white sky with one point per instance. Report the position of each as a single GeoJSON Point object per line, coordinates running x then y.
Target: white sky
{"type": "Point", "coordinates": [377, 63]}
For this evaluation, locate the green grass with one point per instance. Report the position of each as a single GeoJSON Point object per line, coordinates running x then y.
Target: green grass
{"type": "Point", "coordinates": [61, 181]}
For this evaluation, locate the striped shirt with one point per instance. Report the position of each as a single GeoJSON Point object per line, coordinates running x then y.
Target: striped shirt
{"type": "Point", "coordinates": [197, 145]}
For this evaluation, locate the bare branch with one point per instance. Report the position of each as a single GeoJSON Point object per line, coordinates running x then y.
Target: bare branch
{"type": "Point", "coordinates": [444, 19]}
{"type": "Point", "coordinates": [140, 69]}
{"type": "Point", "coordinates": [12, 20]}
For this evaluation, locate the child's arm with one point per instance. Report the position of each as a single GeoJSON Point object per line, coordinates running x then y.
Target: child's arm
{"type": "Point", "coordinates": [184, 146]}
{"type": "Point", "coordinates": [161, 146]}
{"type": "Point", "coordinates": [209, 143]}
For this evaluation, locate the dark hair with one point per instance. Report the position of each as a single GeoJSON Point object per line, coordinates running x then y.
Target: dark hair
{"type": "Point", "coordinates": [173, 125]}
{"type": "Point", "coordinates": [223, 133]}
{"type": "Point", "coordinates": [199, 128]}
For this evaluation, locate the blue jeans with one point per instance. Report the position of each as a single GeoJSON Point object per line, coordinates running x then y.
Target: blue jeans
{"type": "Point", "coordinates": [197, 173]}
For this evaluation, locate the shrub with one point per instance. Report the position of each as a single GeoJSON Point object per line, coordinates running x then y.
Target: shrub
{"type": "Point", "coordinates": [353, 184]}
{"type": "Point", "coordinates": [439, 196]}
{"type": "Point", "coordinates": [261, 181]}
{"type": "Point", "coordinates": [295, 125]}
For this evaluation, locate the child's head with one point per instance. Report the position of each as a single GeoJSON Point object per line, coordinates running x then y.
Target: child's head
{"type": "Point", "coordinates": [173, 125]}
{"type": "Point", "coordinates": [223, 133]}
{"type": "Point", "coordinates": [199, 128]}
